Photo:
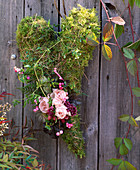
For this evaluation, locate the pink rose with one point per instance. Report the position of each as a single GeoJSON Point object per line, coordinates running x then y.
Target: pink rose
{"type": "Point", "coordinates": [61, 112]}
{"type": "Point", "coordinates": [57, 102]}
{"type": "Point", "coordinates": [61, 94]}
{"type": "Point", "coordinates": [44, 105]}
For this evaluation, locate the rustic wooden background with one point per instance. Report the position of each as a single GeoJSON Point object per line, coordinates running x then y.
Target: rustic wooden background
{"type": "Point", "coordinates": [107, 89]}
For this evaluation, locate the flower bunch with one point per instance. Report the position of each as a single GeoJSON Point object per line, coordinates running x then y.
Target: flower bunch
{"type": "Point", "coordinates": [3, 123]}
{"type": "Point", "coordinates": [57, 110]}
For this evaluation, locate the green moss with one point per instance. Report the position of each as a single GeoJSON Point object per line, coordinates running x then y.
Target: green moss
{"type": "Point", "coordinates": [69, 52]}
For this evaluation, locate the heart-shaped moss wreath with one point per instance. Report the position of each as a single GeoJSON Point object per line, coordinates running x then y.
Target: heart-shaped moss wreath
{"type": "Point", "coordinates": [53, 66]}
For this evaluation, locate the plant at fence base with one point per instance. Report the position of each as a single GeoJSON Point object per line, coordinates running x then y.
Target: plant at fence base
{"type": "Point", "coordinates": [15, 155]}
{"type": "Point", "coordinates": [44, 53]}
{"type": "Point", "coordinates": [128, 51]}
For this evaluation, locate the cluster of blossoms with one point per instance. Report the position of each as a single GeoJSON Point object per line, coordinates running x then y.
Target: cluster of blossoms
{"type": "Point", "coordinates": [57, 108]}
{"type": "Point", "coordinates": [20, 71]}
{"type": "Point", "coordinates": [3, 123]}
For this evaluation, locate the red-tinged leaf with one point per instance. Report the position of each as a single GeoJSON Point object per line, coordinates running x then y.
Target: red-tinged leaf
{"type": "Point", "coordinates": [131, 2]}
{"type": "Point", "coordinates": [31, 149]}
{"type": "Point", "coordinates": [118, 20]}
{"type": "Point", "coordinates": [107, 31]}
{"type": "Point", "coordinates": [129, 166]}
{"type": "Point", "coordinates": [114, 161]}
{"type": "Point", "coordinates": [106, 51]}
{"type": "Point", "coordinates": [2, 96]}
{"type": "Point", "coordinates": [123, 149]}
{"type": "Point", "coordinates": [132, 122]}
{"type": "Point", "coordinates": [124, 117]}
{"type": "Point", "coordinates": [118, 30]}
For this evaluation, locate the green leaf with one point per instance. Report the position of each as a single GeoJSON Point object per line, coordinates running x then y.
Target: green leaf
{"type": "Point", "coordinates": [137, 3]}
{"type": "Point", "coordinates": [124, 117]}
{"type": "Point", "coordinates": [138, 118]}
{"type": "Point", "coordinates": [128, 143]}
{"type": "Point", "coordinates": [122, 166]}
{"type": "Point", "coordinates": [132, 122]}
{"type": "Point", "coordinates": [132, 67]}
{"type": "Point", "coordinates": [129, 166]}
{"type": "Point", "coordinates": [117, 142]}
{"type": "Point", "coordinates": [126, 45]}
{"type": "Point", "coordinates": [135, 45]}
{"type": "Point", "coordinates": [123, 150]}
{"type": "Point", "coordinates": [5, 158]}
{"type": "Point", "coordinates": [106, 51]}
{"type": "Point", "coordinates": [92, 39]}
{"type": "Point", "coordinates": [136, 91]}
{"type": "Point", "coordinates": [5, 166]}
{"type": "Point", "coordinates": [35, 163]}
{"type": "Point", "coordinates": [131, 2]}
{"type": "Point", "coordinates": [114, 161]}
{"type": "Point", "coordinates": [128, 53]}
{"type": "Point", "coordinates": [118, 30]}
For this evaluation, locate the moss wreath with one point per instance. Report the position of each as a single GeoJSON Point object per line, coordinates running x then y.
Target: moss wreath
{"type": "Point", "coordinates": [53, 66]}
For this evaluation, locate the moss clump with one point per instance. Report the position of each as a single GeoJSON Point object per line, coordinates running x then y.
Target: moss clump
{"type": "Point", "coordinates": [69, 52]}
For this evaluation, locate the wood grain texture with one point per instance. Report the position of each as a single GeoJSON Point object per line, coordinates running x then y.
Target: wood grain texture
{"type": "Point", "coordinates": [115, 95]}
{"type": "Point", "coordinates": [44, 144]}
{"type": "Point", "coordinates": [10, 16]}
{"type": "Point", "coordinates": [89, 110]}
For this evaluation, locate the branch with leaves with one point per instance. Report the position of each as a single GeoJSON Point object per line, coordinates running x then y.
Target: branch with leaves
{"type": "Point", "coordinates": [128, 51]}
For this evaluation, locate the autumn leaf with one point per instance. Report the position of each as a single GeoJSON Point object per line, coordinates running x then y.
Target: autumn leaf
{"type": "Point", "coordinates": [107, 31]}
{"type": "Point", "coordinates": [118, 20]}
{"type": "Point", "coordinates": [106, 51]}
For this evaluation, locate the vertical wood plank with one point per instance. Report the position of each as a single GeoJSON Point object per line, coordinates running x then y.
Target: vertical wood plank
{"type": "Point", "coordinates": [10, 15]}
{"type": "Point", "coordinates": [115, 94]}
{"type": "Point", "coordinates": [44, 144]}
{"type": "Point", "coordinates": [89, 109]}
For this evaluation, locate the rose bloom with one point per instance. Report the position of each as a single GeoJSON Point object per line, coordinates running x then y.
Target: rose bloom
{"type": "Point", "coordinates": [44, 105]}
{"type": "Point", "coordinates": [57, 102]}
{"type": "Point", "coordinates": [61, 94]}
{"type": "Point", "coordinates": [61, 112]}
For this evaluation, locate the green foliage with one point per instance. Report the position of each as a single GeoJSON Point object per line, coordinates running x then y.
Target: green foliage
{"type": "Point", "coordinates": [73, 137]}
{"type": "Point", "coordinates": [128, 53]}
{"type": "Point", "coordinates": [41, 51]}
{"type": "Point", "coordinates": [118, 30]}
{"type": "Point", "coordinates": [132, 67]}
{"type": "Point", "coordinates": [15, 155]}
{"type": "Point", "coordinates": [124, 117]}
{"type": "Point", "coordinates": [117, 142]}
{"type": "Point", "coordinates": [114, 161]}
{"type": "Point", "coordinates": [136, 91]}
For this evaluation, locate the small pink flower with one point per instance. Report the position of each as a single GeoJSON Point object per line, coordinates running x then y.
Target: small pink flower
{"type": "Point", "coordinates": [68, 125]}
{"type": "Point", "coordinates": [60, 86]}
{"type": "Point", "coordinates": [20, 72]}
{"type": "Point", "coordinates": [28, 77]}
{"type": "Point", "coordinates": [61, 132]}
{"type": "Point", "coordinates": [44, 105]}
{"type": "Point", "coordinates": [57, 133]}
{"type": "Point", "coordinates": [35, 101]}
{"type": "Point", "coordinates": [55, 70]}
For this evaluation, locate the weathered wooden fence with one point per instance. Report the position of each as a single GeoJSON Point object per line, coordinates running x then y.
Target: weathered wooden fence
{"type": "Point", "coordinates": [107, 89]}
